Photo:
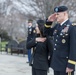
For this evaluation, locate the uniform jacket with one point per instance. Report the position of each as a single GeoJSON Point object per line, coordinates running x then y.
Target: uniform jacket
{"type": "Point", "coordinates": [31, 33]}
{"type": "Point", "coordinates": [64, 52]}
{"type": "Point", "coordinates": [41, 54]}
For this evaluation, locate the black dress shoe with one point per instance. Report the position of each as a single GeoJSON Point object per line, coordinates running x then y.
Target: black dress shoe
{"type": "Point", "coordinates": [27, 62]}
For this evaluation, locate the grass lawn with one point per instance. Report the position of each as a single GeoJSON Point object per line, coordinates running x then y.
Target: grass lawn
{"type": "Point", "coordinates": [3, 45]}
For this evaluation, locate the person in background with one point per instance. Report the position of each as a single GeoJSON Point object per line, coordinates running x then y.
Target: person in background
{"type": "Point", "coordinates": [40, 62]}
{"type": "Point", "coordinates": [64, 34]}
{"type": "Point", "coordinates": [31, 34]}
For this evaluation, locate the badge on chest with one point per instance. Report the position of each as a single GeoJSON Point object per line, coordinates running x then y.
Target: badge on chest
{"type": "Point", "coordinates": [63, 41]}
{"type": "Point", "coordinates": [64, 31]}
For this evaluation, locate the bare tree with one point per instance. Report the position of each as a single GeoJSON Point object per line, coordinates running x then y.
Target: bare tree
{"type": "Point", "coordinates": [13, 18]}
{"type": "Point", "coordinates": [44, 8]}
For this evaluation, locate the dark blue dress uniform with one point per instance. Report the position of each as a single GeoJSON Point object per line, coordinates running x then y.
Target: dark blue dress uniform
{"type": "Point", "coordinates": [31, 34]}
{"type": "Point", "coordinates": [64, 53]}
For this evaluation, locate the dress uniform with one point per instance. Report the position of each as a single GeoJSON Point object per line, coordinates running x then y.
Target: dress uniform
{"type": "Point", "coordinates": [64, 52]}
{"type": "Point", "coordinates": [31, 34]}
{"type": "Point", "coordinates": [40, 63]}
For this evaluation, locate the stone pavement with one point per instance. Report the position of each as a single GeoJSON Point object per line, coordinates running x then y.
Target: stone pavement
{"type": "Point", "coordinates": [15, 65]}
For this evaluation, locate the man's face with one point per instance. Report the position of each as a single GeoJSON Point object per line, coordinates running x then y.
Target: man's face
{"type": "Point", "coordinates": [60, 17]}
{"type": "Point", "coordinates": [30, 24]}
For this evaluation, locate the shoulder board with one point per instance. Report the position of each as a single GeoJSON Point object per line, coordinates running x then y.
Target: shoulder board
{"type": "Point", "coordinates": [73, 24]}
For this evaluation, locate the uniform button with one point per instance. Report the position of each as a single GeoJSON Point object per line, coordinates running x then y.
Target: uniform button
{"type": "Point", "coordinates": [66, 57]}
{"type": "Point", "coordinates": [54, 48]}
{"type": "Point", "coordinates": [66, 34]}
{"type": "Point", "coordinates": [55, 44]}
{"type": "Point", "coordinates": [63, 36]}
{"type": "Point", "coordinates": [56, 40]}
{"type": "Point", "coordinates": [36, 42]}
{"type": "Point", "coordinates": [57, 35]}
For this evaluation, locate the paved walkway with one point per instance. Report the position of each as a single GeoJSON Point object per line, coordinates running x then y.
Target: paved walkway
{"type": "Point", "coordinates": [15, 65]}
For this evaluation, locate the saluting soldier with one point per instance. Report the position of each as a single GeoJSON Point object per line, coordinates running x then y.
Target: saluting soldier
{"type": "Point", "coordinates": [31, 34]}
{"type": "Point", "coordinates": [64, 34]}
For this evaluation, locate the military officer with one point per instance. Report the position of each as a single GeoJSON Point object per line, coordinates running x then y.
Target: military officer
{"type": "Point", "coordinates": [31, 34]}
{"type": "Point", "coordinates": [64, 34]}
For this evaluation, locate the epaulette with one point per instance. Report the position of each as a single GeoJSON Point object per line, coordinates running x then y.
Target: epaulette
{"type": "Point", "coordinates": [73, 24]}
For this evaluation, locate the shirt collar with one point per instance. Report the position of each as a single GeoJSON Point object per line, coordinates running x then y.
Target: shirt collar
{"type": "Point", "coordinates": [63, 22]}
{"type": "Point", "coordinates": [29, 26]}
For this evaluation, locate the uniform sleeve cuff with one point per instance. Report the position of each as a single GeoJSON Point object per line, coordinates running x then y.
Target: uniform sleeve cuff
{"type": "Point", "coordinates": [71, 64]}
{"type": "Point", "coordinates": [47, 26]}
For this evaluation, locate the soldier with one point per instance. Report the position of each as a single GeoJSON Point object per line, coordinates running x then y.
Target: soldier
{"type": "Point", "coordinates": [64, 34]}
{"type": "Point", "coordinates": [31, 34]}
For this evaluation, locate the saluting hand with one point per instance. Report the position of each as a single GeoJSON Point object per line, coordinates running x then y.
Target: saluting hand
{"type": "Point", "coordinates": [52, 17]}
{"type": "Point", "coordinates": [40, 39]}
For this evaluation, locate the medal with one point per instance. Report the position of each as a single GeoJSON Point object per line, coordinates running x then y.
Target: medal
{"type": "Point", "coordinates": [66, 34]}
{"type": "Point", "coordinates": [61, 34]}
{"type": "Point", "coordinates": [63, 40]}
{"type": "Point", "coordinates": [55, 31]}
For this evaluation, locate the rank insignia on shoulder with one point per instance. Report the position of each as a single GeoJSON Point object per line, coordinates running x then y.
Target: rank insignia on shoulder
{"type": "Point", "coordinates": [73, 24]}
{"type": "Point", "coordinates": [34, 31]}
{"type": "Point", "coordinates": [63, 40]}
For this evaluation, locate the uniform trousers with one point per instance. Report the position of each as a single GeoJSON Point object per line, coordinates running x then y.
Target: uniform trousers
{"type": "Point", "coordinates": [38, 71]}
{"type": "Point", "coordinates": [62, 73]}
{"type": "Point", "coordinates": [29, 54]}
